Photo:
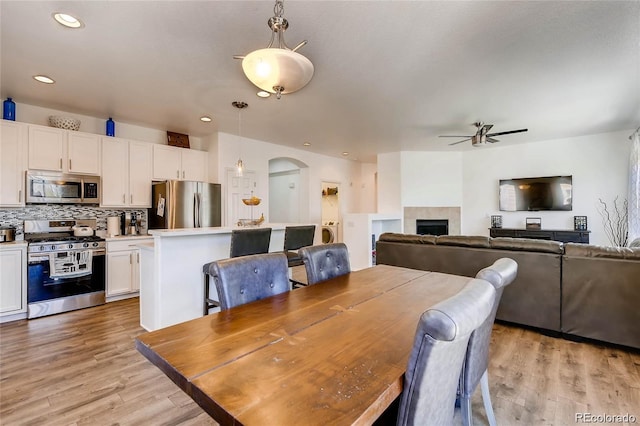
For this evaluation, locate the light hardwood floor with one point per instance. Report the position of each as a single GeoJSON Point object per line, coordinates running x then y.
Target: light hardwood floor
{"type": "Point", "coordinates": [81, 368]}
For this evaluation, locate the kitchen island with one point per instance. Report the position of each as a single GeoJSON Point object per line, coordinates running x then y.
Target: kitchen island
{"type": "Point", "coordinates": [171, 278]}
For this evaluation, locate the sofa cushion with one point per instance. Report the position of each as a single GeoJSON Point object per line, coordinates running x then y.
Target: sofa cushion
{"type": "Point", "coordinates": [588, 250]}
{"type": "Point", "coordinates": [408, 238]}
{"type": "Point", "coordinates": [463, 241]}
{"type": "Point", "coordinates": [526, 244]}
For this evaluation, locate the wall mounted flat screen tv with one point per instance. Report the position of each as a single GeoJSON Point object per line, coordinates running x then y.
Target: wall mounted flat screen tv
{"type": "Point", "coordinates": [535, 194]}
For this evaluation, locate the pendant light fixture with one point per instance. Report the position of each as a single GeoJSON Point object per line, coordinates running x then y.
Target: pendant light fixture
{"type": "Point", "coordinates": [277, 68]}
{"type": "Point", "coordinates": [240, 105]}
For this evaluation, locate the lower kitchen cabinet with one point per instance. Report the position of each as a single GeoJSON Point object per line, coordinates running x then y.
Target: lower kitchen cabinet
{"type": "Point", "coordinates": [13, 281]}
{"type": "Point", "coordinates": [123, 267]}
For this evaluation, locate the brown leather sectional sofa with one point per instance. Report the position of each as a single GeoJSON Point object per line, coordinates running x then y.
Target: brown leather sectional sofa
{"type": "Point", "coordinates": [574, 289]}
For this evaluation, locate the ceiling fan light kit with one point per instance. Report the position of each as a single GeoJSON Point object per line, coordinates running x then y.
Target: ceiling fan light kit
{"type": "Point", "coordinates": [482, 136]}
{"type": "Point", "coordinates": [277, 68]}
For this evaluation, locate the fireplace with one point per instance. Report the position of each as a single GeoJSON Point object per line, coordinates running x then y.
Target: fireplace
{"type": "Point", "coordinates": [432, 226]}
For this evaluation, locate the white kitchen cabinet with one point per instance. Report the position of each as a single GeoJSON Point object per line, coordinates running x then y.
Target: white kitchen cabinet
{"type": "Point", "coordinates": [126, 173]}
{"type": "Point", "coordinates": [171, 162]}
{"type": "Point", "coordinates": [13, 279]}
{"type": "Point", "coordinates": [83, 153]}
{"type": "Point", "coordinates": [63, 150]}
{"type": "Point", "coordinates": [13, 142]}
{"type": "Point", "coordinates": [123, 267]}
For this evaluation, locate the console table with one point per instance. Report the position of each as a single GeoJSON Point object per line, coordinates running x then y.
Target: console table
{"type": "Point", "coordinates": [565, 236]}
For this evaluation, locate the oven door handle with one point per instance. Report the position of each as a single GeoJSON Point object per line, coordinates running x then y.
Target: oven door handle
{"type": "Point", "coordinates": [38, 258]}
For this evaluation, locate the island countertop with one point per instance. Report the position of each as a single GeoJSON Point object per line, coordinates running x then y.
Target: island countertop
{"type": "Point", "coordinates": [215, 230]}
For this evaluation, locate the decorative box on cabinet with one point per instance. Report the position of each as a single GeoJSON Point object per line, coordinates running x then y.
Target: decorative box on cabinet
{"type": "Point", "coordinates": [13, 281]}
{"type": "Point", "coordinates": [13, 155]}
{"type": "Point", "coordinates": [179, 163]}
{"type": "Point", "coordinates": [564, 236]}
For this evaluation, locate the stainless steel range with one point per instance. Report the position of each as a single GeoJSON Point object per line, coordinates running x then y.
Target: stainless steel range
{"type": "Point", "coordinates": [65, 271]}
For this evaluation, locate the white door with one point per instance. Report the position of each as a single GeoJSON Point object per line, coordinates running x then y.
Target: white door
{"type": "Point", "coordinates": [239, 187]}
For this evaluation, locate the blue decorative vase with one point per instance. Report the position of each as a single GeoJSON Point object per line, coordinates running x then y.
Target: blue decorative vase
{"type": "Point", "coordinates": [111, 127]}
{"type": "Point", "coordinates": [9, 110]}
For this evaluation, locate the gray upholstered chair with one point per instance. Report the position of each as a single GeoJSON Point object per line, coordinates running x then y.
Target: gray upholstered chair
{"type": "Point", "coordinates": [438, 352]}
{"type": "Point", "coordinates": [246, 279]}
{"type": "Point", "coordinates": [500, 274]}
{"type": "Point", "coordinates": [325, 261]}
{"type": "Point", "coordinates": [296, 237]}
{"type": "Point", "coordinates": [244, 242]}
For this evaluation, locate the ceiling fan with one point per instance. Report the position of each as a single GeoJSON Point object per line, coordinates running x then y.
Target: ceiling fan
{"type": "Point", "coordinates": [482, 136]}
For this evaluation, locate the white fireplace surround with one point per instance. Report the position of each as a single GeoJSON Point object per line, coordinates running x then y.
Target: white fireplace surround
{"type": "Point", "coordinates": [452, 214]}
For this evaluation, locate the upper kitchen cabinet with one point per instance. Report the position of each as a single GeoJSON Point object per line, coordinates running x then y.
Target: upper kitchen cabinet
{"type": "Point", "coordinates": [126, 173]}
{"type": "Point", "coordinates": [63, 150]}
{"type": "Point", "coordinates": [13, 141]}
{"type": "Point", "coordinates": [179, 163]}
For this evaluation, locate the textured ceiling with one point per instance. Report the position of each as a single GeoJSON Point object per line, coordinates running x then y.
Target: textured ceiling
{"type": "Point", "coordinates": [389, 75]}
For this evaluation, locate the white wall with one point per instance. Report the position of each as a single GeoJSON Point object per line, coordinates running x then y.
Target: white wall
{"type": "Point", "coordinates": [284, 191]}
{"type": "Point", "coordinates": [431, 179]}
{"type": "Point", "coordinates": [598, 164]}
{"type": "Point", "coordinates": [256, 155]}
{"type": "Point", "coordinates": [38, 115]}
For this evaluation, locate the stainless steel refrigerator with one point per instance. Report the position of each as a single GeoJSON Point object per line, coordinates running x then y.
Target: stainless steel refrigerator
{"type": "Point", "coordinates": [185, 204]}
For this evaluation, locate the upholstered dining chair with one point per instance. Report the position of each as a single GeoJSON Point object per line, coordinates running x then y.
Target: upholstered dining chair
{"type": "Point", "coordinates": [325, 261]}
{"type": "Point", "coordinates": [296, 237]}
{"type": "Point", "coordinates": [500, 274]}
{"type": "Point", "coordinates": [439, 347]}
{"type": "Point", "coordinates": [245, 279]}
{"type": "Point", "coordinates": [244, 242]}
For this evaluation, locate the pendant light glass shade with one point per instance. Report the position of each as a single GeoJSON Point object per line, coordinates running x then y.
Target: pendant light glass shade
{"type": "Point", "coordinates": [277, 68]}
{"type": "Point", "coordinates": [239, 164]}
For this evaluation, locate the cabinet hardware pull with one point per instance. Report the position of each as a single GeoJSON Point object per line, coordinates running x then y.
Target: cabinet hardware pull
{"type": "Point", "coordinates": [130, 258]}
{"type": "Point", "coordinates": [138, 254]}
{"type": "Point", "coordinates": [183, 174]}
{"type": "Point", "coordinates": [70, 164]}
{"type": "Point", "coordinates": [178, 174]}
{"type": "Point", "coordinates": [19, 195]}
{"type": "Point", "coordinates": [61, 163]}
{"type": "Point", "coordinates": [123, 199]}
{"type": "Point", "coordinates": [131, 199]}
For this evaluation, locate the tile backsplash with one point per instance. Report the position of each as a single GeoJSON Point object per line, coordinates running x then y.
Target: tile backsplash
{"type": "Point", "coordinates": [16, 216]}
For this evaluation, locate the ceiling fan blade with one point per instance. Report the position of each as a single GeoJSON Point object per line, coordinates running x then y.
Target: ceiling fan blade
{"type": "Point", "coordinates": [491, 140]}
{"type": "Point", "coordinates": [508, 132]}
{"type": "Point", "coordinates": [455, 136]}
{"type": "Point", "coordinates": [463, 140]}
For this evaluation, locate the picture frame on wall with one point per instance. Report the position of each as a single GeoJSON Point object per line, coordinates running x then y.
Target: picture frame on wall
{"type": "Point", "coordinates": [579, 223]}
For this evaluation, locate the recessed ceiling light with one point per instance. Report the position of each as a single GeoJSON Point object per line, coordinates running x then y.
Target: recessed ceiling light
{"type": "Point", "coordinates": [205, 118]}
{"type": "Point", "coordinates": [263, 94]}
{"type": "Point", "coordinates": [345, 153]}
{"type": "Point", "coordinates": [44, 79]}
{"type": "Point", "coordinates": [307, 144]}
{"type": "Point", "coordinates": [67, 20]}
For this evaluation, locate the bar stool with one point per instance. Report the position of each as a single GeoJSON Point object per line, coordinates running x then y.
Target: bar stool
{"type": "Point", "coordinates": [296, 237]}
{"type": "Point", "coordinates": [244, 242]}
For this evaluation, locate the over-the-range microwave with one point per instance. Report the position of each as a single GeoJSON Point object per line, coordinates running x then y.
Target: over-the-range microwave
{"type": "Point", "coordinates": [59, 188]}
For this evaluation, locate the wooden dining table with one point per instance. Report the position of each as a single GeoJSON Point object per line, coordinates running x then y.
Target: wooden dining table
{"type": "Point", "coordinates": [330, 353]}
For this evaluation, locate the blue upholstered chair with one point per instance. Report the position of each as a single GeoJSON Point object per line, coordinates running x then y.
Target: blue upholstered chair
{"type": "Point", "coordinates": [296, 237]}
{"type": "Point", "coordinates": [500, 274]}
{"type": "Point", "coordinates": [325, 261]}
{"type": "Point", "coordinates": [438, 352]}
{"type": "Point", "coordinates": [244, 242]}
{"type": "Point", "coordinates": [246, 279]}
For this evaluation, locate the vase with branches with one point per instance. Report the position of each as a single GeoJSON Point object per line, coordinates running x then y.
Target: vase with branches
{"type": "Point", "coordinates": [614, 220]}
